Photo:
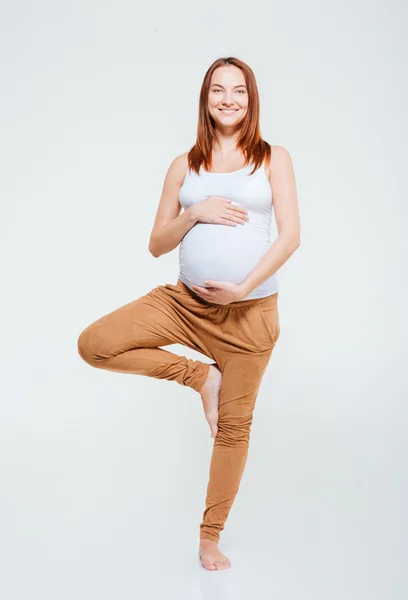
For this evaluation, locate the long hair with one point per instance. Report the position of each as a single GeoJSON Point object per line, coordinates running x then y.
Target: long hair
{"type": "Point", "coordinates": [253, 147]}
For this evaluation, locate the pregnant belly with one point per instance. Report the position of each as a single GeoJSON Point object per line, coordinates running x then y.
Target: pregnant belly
{"type": "Point", "coordinates": [221, 252]}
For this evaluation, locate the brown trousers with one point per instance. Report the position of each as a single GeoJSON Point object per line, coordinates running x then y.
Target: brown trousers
{"type": "Point", "coordinates": [239, 337]}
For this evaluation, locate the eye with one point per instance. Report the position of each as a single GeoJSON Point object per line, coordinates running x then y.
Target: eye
{"type": "Point", "coordinates": [241, 91]}
{"type": "Point", "coordinates": [217, 90]}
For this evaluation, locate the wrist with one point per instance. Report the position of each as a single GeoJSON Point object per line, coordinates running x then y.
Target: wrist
{"type": "Point", "coordinates": [244, 289]}
{"type": "Point", "coordinates": [192, 213]}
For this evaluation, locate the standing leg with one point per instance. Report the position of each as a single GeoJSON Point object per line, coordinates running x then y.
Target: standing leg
{"type": "Point", "coordinates": [241, 379]}
{"type": "Point", "coordinates": [246, 336]}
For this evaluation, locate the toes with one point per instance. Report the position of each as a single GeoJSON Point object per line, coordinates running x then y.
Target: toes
{"type": "Point", "coordinates": [220, 563]}
{"type": "Point", "coordinates": [208, 563]}
{"type": "Point", "coordinates": [215, 564]}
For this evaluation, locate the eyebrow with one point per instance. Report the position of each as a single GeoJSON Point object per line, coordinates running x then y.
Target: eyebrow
{"type": "Point", "coordinates": [221, 86]}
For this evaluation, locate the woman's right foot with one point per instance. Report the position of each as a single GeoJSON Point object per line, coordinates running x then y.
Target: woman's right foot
{"type": "Point", "coordinates": [210, 395]}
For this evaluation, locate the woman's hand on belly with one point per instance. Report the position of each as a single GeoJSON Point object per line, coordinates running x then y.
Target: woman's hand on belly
{"type": "Point", "coordinates": [219, 210]}
{"type": "Point", "coordinates": [220, 292]}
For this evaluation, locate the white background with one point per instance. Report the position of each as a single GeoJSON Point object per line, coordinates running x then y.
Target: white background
{"type": "Point", "coordinates": [103, 475]}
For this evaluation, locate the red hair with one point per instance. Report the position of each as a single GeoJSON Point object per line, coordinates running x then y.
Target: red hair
{"type": "Point", "coordinates": [254, 148]}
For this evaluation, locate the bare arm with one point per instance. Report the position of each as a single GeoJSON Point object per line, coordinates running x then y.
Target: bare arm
{"type": "Point", "coordinates": [170, 226]}
{"type": "Point", "coordinates": [285, 201]}
{"type": "Point", "coordinates": [282, 179]}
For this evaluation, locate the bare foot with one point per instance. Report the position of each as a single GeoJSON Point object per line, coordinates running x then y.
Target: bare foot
{"type": "Point", "coordinates": [210, 396]}
{"type": "Point", "coordinates": [211, 558]}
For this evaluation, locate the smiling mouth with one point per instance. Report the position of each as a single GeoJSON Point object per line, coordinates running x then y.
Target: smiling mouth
{"type": "Point", "coordinates": [228, 111]}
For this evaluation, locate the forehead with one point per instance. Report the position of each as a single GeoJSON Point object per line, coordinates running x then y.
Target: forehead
{"type": "Point", "coordinates": [228, 75]}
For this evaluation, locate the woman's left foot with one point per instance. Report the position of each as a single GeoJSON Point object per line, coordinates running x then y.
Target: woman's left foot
{"type": "Point", "coordinates": [211, 558]}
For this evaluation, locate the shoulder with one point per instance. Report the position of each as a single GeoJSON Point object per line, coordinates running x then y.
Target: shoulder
{"type": "Point", "coordinates": [178, 166]}
{"type": "Point", "coordinates": [280, 159]}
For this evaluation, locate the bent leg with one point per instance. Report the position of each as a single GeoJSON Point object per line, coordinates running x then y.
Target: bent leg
{"type": "Point", "coordinates": [242, 376]}
{"type": "Point", "coordinates": [127, 340]}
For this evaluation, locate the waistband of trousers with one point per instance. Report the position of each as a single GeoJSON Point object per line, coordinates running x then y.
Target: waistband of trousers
{"type": "Point", "coordinates": [238, 303]}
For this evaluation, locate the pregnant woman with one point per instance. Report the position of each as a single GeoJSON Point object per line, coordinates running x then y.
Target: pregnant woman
{"type": "Point", "coordinates": [217, 203]}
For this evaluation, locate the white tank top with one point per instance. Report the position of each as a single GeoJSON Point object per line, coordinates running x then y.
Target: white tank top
{"type": "Point", "coordinates": [223, 252]}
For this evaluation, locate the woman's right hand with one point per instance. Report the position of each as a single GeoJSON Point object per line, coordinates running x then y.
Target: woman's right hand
{"type": "Point", "coordinates": [216, 209]}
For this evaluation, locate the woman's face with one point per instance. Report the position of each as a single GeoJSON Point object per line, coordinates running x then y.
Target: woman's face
{"type": "Point", "coordinates": [227, 96]}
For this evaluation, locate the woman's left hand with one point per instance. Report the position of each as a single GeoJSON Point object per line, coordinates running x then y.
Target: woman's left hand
{"type": "Point", "coordinates": [220, 292]}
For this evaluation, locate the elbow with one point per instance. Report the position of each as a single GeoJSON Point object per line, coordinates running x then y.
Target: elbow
{"type": "Point", "coordinates": [153, 248]}
{"type": "Point", "coordinates": [293, 241]}
{"type": "Point", "coordinates": [153, 252]}
{"type": "Point", "coordinates": [295, 245]}
{"type": "Point", "coordinates": [294, 236]}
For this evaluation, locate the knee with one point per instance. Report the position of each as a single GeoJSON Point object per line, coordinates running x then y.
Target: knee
{"type": "Point", "coordinates": [88, 348]}
{"type": "Point", "coordinates": [234, 432]}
